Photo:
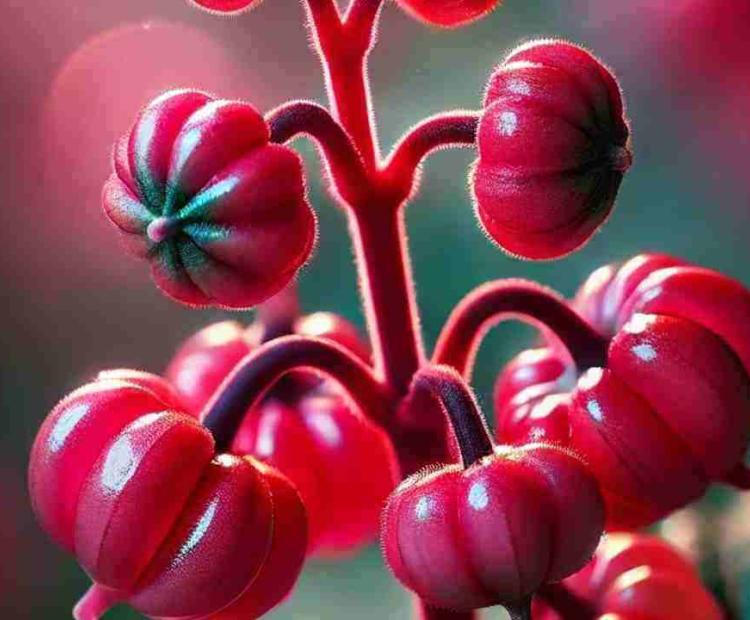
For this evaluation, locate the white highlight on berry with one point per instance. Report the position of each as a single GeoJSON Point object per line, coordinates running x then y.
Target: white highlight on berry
{"type": "Point", "coordinates": [478, 497]}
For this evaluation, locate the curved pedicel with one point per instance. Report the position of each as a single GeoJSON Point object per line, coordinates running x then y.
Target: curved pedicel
{"type": "Point", "coordinates": [305, 426]}
{"type": "Point", "coordinates": [666, 413]}
{"type": "Point", "coordinates": [114, 458]}
{"type": "Point", "coordinates": [493, 302]}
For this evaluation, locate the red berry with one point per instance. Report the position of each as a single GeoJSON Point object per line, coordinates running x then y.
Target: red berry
{"type": "Point", "coordinates": [601, 298]}
{"type": "Point", "coordinates": [331, 326]}
{"type": "Point", "coordinates": [531, 393]}
{"type": "Point", "coordinates": [495, 532]}
{"type": "Point", "coordinates": [226, 6]}
{"type": "Point", "coordinates": [639, 576]}
{"type": "Point", "coordinates": [342, 464]}
{"type": "Point", "coordinates": [669, 412]}
{"type": "Point", "coordinates": [159, 386]}
{"type": "Point", "coordinates": [205, 359]}
{"type": "Point", "coordinates": [200, 193]}
{"type": "Point", "coordinates": [553, 148]}
{"type": "Point", "coordinates": [448, 13]}
{"type": "Point", "coordinates": [135, 491]}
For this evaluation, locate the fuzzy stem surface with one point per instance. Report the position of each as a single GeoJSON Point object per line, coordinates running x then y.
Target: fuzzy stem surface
{"type": "Point", "coordinates": [262, 368]}
{"type": "Point", "coordinates": [375, 215]}
{"type": "Point", "coordinates": [449, 388]}
{"type": "Point", "coordinates": [503, 299]}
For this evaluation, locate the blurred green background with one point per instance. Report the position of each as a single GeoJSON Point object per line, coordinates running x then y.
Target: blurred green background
{"type": "Point", "coordinates": [73, 303]}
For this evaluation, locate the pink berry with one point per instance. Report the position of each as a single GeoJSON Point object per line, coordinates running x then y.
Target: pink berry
{"type": "Point", "coordinates": [135, 490]}
{"type": "Point", "coordinates": [553, 147]}
{"type": "Point", "coordinates": [494, 532]}
{"type": "Point", "coordinates": [639, 576]}
{"type": "Point", "coordinates": [218, 212]}
{"type": "Point", "coordinates": [448, 13]}
{"type": "Point", "coordinates": [668, 412]}
{"type": "Point", "coordinates": [226, 6]}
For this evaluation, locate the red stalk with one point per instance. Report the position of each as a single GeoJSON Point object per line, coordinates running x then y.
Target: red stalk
{"type": "Point", "coordinates": [503, 299]}
{"type": "Point", "coordinates": [262, 368]}
{"type": "Point", "coordinates": [456, 399]}
{"type": "Point", "coordinates": [376, 221]}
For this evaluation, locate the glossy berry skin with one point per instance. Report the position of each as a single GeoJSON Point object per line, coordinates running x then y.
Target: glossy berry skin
{"type": "Point", "coordinates": [218, 212]}
{"type": "Point", "coordinates": [495, 532]}
{"type": "Point", "coordinates": [553, 147]}
{"type": "Point", "coordinates": [448, 13]}
{"type": "Point", "coordinates": [669, 411]}
{"type": "Point", "coordinates": [226, 6]}
{"type": "Point", "coordinates": [601, 298]}
{"type": "Point", "coordinates": [639, 576]}
{"type": "Point", "coordinates": [342, 464]}
{"type": "Point", "coordinates": [133, 488]}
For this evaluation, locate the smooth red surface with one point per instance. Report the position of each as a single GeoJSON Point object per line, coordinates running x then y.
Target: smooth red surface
{"type": "Point", "coordinates": [601, 298]}
{"type": "Point", "coordinates": [494, 532]}
{"type": "Point", "coordinates": [156, 384]}
{"type": "Point", "coordinates": [448, 13]}
{"type": "Point", "coordinates": [670, 413]}
{"type": "Point", "coordinates": [553, 146]}
{"type": "Point", "coordinates": [226, 6]}
{"type": "Point", "coordinates": [639, 576]}
{"type": "Point", "coordinates": [342, 464]}
{"type": "Point", "coordinates": [531, 395]}
{"type": "Point", "coordinates": [134, 489]}
{"type": "Point", "coordinates": [219, 213]}
{"type": "Point", "coordinates": [205, 359]}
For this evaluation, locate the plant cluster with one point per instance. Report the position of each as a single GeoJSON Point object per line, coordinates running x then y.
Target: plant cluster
{"type": "Point", "coordinates": [200, 493]}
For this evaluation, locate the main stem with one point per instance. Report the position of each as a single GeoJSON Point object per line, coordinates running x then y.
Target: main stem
{"type": "Point", "coordinates": [388, 293]}
{"type": "Point", "coordinates": [376, 223]}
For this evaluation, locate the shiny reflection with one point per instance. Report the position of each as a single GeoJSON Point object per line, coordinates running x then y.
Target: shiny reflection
{"type": "Point", "coordinates": [639, 323]}
{"type": "Point", "coordinates": [590, 379]}
{"type": "Point", "coordinates": [644, 352]}
{"type": "Point", "coordinates": [265, 443]}
{"type": "Point", "coordinates": [594, 410]}
{"type": "Point", "coordinates": [633, 577]}
{"type": "Point", "coordinates": [326, 426]}
{"type": "Point", "coordinates": [319, 324]}
{"type": "Point", "coordinates": [219, 334]}
{"type": "Point", "coordinates": [119, 466]}
{"type": "Point", "coordinates": [203, 201]}
{"type": "Point", "coordinates": [508, 123]}
{"type": "Point", "coordinates": [65, 425]}
{"type": "Point", "coordinates": [199, 531]}
{"type": "Point", "coordinates": [225, 460]}
{"type": "Point", "coordinates": [478, 497]}
{"type": "Point", "coordinates": [424, 508]}
{"type": "Point", "coordinates": [651, 294]}
{"type": "Point", "coordinates": [518, 86]}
